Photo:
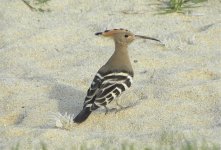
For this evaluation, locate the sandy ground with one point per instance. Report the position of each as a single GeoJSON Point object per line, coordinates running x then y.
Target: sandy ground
{"type": "Point", "coordinates": [47, 62]}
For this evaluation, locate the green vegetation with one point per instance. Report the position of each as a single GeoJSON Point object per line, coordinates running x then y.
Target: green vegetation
{"type": "Point", "coordinates": [37, 5]}
{"type": "Point", "coordinates": [43, 146]}
{"type": "Point", "coordinates": [171, 6]}
{"type": "Point", "coordinates": [166, 142]}
{"type": "Point", "coordinates": [41, 2]}
{"type": "Point", "coordinates": [179, 6]}
{"type": "Point", "coordinates": [16, 147]}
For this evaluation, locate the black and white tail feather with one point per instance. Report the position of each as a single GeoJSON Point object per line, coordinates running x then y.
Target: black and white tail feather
{"type": "Point", "coordinates": [104, 88]}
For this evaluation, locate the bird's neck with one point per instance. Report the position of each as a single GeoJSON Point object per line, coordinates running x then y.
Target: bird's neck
{"type": "Point", "coordinates": [121, 50]}
{"type": "Point", "coordinates": [120, 59]}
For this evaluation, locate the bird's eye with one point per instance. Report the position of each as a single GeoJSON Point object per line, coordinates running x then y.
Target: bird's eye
{"type": "Point", "coordinates": [126, 36]}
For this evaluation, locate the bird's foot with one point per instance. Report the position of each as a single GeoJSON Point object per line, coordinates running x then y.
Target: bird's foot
{"type": "Point", "coordinates": [116, 110]}
{"type": "Point", "coordinates": [118, 105]}
{"type": "Point", "coordinates": [107, 110]}
{"type": "Point", "coordinates": [121, 108]}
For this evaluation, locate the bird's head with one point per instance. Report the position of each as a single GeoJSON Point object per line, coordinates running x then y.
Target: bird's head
{"type": "Point", "coordinates": [123, 36]}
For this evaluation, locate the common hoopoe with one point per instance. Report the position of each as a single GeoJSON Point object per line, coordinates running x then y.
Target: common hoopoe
{"type": "Point", "coordinates": [114, 77]}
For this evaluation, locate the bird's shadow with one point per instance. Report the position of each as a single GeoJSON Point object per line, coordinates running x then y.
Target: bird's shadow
{"type": "Point", "coordinates": [69, 99]}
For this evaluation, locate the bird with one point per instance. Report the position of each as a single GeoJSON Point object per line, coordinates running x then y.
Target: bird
{"type": "Point", "coordinates": [114, 77]}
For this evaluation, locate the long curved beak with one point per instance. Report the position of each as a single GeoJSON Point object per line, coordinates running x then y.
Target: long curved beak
{"type": "Point", "coordinates": [145, 37]}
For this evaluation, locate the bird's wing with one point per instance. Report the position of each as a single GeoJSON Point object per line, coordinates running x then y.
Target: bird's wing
{"type": "Point", "coordinates": [92, 91]}
{"type": "Point", "coordinates": [112, 86]}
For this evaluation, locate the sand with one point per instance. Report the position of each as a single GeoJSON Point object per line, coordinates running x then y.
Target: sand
{"type": "Point", "coordinates": [47, 62]}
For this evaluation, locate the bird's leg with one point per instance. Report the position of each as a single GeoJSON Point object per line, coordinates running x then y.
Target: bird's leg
{"type": "Point", "coordinates": [109, 110]}
{"type": "Point", "coordinates": [121, 107]}
{"type": "Point", "coordinates": [106, 110]}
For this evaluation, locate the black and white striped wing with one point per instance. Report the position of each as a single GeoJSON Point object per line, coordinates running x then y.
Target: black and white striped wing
{"type": "Point", "coordinates": [92, 91]}
{"type": "Point", "coordinates": [112, 86]}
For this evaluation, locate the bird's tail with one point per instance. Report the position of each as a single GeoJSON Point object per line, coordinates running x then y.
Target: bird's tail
{"type": "Point", "coordinates": [83, 115]}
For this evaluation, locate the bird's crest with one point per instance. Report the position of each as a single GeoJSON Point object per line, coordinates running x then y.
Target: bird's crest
{"type": "Point", "coordinates": [111, 32]}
